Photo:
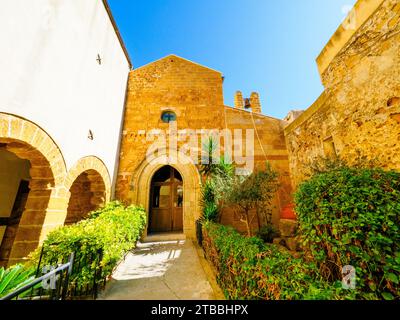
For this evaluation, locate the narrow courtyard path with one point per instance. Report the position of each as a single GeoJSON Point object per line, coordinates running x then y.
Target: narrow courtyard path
{"type": "Point", "coordinates": [169, 270]}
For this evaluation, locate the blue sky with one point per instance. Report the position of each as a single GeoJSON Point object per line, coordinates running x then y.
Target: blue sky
{"type": "Point", "coordinates": [259, 45]}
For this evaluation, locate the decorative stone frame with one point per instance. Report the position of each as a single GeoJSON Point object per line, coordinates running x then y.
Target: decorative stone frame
{"type": "Point", "coordinates": [141, 184]}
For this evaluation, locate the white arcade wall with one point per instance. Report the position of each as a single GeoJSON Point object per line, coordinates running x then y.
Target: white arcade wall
{"type": "Point", "coordinates": [50, 74]}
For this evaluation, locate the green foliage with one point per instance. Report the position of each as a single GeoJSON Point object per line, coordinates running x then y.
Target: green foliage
{"type": "Point", "coordinates": [208, 201]}
{"type": "Point", "coordinates": [113, 229]}
{"type": "Point", "coordinates": [268, 233]}
{"type": "Point", "coordinates": [210, 212]}
{"type": "Point", "coordinates": [248, 269]}
{"type": "Point", "coordinates": [351, 216]}
{"type": "Point", "coordinates": [255, 191]}
{"type": "Point", "coordinates": [14, 278]}
{"type": "Point", "coordinates": [218, 174]}
{"type": "Point", "coordinates": [320, 164]}
{"type": "Point", "coordinates": [208, 160]}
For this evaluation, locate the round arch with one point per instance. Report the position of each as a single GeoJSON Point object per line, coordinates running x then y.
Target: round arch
{"type": "Point", "coordinates": [89, 185]}
{"type": "Point", "coordinates": [85, 164]}
{"type": "Point", "coordinates": [141, 185]}
{"type": "Point", "coordinates": [17, 129]}
{"type": "Point", "coordinates": [44, 203]}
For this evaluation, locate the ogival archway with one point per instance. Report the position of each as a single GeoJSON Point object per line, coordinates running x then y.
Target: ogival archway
{"type": "Point", "coordinates": [169, 189]}
{"type": "Point", "coordinates": [166, 201]}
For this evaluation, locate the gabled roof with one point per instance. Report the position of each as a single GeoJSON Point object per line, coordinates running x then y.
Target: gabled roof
{"type": "Point", "coordinates": [174, 56]}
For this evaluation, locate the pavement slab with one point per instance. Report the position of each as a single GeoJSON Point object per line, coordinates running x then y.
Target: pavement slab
{"type": "Point", "coordinates": [165, 270]}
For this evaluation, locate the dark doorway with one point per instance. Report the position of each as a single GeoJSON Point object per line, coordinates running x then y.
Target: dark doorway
{"type": "Point", "coordinates": [166, 201]}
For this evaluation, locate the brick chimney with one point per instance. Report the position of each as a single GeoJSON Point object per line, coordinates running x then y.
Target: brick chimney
{"type": "Point", "coordinates": [255, 102]}
{"type": "Point", "coordinates": [239, 103]}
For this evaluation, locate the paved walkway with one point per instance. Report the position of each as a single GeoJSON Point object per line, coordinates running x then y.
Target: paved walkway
{"type": "Point", "coordinates": [160, 271]}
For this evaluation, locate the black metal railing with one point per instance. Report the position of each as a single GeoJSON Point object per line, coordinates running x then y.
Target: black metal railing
{"type": "Point", "coordinates": [86, 266]}
{"type": "Point", "coordinates": [51, 286]}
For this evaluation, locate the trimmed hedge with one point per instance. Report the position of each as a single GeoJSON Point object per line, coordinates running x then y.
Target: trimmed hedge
{"type": "Point", "coordinates": [351, 216]}
{"type": "Point", "coordinates": [248, 269]}
{"type": "Point", "coordinates": [114, 230]}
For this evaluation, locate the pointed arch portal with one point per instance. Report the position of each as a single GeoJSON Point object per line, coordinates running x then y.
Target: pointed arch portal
{"type": "Point", "coordinates": [180, 180]}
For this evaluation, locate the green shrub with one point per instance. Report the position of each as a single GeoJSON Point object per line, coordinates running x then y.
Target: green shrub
{"type": "Point", "coordinates": [208, 201]}
{"type": "Point", "coordinates": [248, 269]}
{"type": "Point", "coordinates": [351, 216]}
{"type": "Point", "coordinates": [114, 230]}
{"type": "Point", "coordinates": [13, 278]}
{"type": "Point", "coordinates": [217, 175]}
{"type": "Point", "coordinates": [268, 233]}
{"type": "Point", "coordinates": [255, 191]}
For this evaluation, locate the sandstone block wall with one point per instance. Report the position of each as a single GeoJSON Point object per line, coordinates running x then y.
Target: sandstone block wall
{"type": "Point", "coordinates": [195, 94]}
{"type": "Point", "coordinates": [359, 111]}
{"type": "Point", "coordinates": [269, 146]}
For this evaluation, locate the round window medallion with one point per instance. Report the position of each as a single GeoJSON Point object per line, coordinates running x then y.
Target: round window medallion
{"type": "Point", "coordinates": [168, 116]}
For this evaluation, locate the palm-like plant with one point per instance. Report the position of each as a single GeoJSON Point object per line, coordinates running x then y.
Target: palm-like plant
{"type": "Point", "coordinates": [217, 176]}
{"type": "Point", "coordinates": [14, 278]}
{"type": "Point", "coordinates": [208, 163]}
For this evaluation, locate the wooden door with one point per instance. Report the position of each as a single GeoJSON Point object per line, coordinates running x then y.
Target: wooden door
{"type": "Point", "coordinates": [166, 201]}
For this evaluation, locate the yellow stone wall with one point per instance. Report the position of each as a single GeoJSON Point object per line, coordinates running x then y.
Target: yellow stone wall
{"type": "Point", "coordinates": [195, 94]}
{"type": "Point", "coordinates": [269, 145]}
{"type": "Point", "coordinates": [359, 110]}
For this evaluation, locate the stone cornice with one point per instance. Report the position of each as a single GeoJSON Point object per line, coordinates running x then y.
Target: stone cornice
{"type": "Point", "coordinates": [362, 10]}
{"type": "Point", "coordinates": [317, 105]}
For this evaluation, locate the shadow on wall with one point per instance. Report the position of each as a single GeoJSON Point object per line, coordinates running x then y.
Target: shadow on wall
{"type": "Point", "coordinates": [88, 193]}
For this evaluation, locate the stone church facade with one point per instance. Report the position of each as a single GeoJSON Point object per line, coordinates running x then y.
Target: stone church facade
{"type": "Point", "coordinates": [193, 94]}
{"type": "Point", "coordinates": [77, 121]}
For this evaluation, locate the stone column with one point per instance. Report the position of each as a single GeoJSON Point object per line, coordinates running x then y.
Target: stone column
{"type": "Point", "coordinates": [239, 103]}
{"type": "Point", "coordinates": [255, 102]}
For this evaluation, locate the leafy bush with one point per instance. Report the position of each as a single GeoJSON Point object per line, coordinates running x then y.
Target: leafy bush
{"type": "Point", "coordinates": [114, 230]}
{"type": "Point", "coordinates": [268, 233]}
{"type": "Point", "coordinates": [14, 278]}
{"type": "Point", "coordinates": [209, 201]}
{"type": "Point", "coordinates": [210, 212]}
{"type": "Point", "coordinates": [248, 269]}
{"type": "Point", "coordinates": [351, 216]}
{"type": "Point", "coordinates": [255, 191]}
{"type": "Point", "coordinates": [217, 175]}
